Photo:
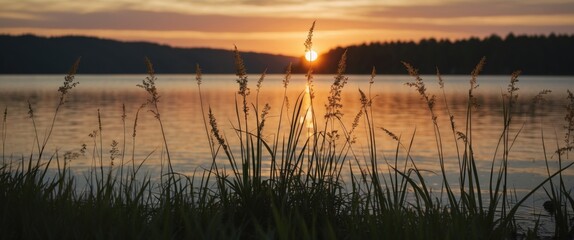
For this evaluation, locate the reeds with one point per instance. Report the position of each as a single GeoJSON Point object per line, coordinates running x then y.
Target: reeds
{"type": "Point", "coordinates": [303, 195]}
{"type": "Point", "coordinates": [4, 127]}
{"type": "Point", "coordinates": [148, 84]}
{"type": "Point", "coordinates": [68, 84]}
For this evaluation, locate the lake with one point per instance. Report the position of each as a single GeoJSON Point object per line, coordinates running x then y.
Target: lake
{"type": "Point", "coordinates": [396, 107]}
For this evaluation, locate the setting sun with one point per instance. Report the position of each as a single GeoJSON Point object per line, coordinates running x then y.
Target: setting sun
{"type": "Point", "coordinates": [311, 55]}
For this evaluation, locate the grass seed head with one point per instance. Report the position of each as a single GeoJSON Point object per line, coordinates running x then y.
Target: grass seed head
{"type": "Point", "coordinates": [124, 112]}
{"type": "Point", "coordinates": [391, 134]}
{"type": "Point", "coordinates": [474, 74]}
{"type": "Point", "coordinates": [69, 156]}
{"type": "Point", "coordinates": [473, 82]}
{"type": "Point", "coordinates": [354, 126]}
{"type": "Point", "coordinates": [286, 102]}
{"type": "Point", "coordinates": [99, 120]}
{"type": "Point", "coordinates": [568, 139]}
{"type": "Point", "coordinates": [512, 88]}
{"type": "Point", "coordinates": [539, 98]}
{"type": "Point", "coordinates": [419, 85]}
{"type": "Point", "coordinates": [334, 100]}
{"type": "Point", "coordinates": [241, 74]}
{"type": "Point", "coordinates": [452, 124]}
{"type": "Point", "coordinates": [309, 42]}
{"type": "Point", "coordinates": [461, 136]}
{"type": "Point", "coordinates": [287, 76]}
{"type": "Point", "coordinates": [136, 119]}
{"type": "Point", "coordinates": [30, 111]}
{"type": "Point", "coordinates": [83, 149]}
{"type": "Point", "coordinates": [260, 81]}
{"type": "Point", "coordinates": [215, 130]}
{"type": "Point", "coordinates": [148, 83]}
{"type": "Point", "coordinates": [69, 82]}
{"type": "Point", "coordinates": [440, 81]}
{"type": "Point", "coordinates": [114, 151]}
{"type": "Point", "coordinates": [198, 74]}
{"type": "Point", "coordinates": [264, 114]}
{"type": "Point", "coordinates": [93, 134]}
{"type": "Point", "coordinates": [364, 100]}
{"type": "Point", "coordinates": [308, 47]}
{"type": "Point", "coordinates": [373, 74]}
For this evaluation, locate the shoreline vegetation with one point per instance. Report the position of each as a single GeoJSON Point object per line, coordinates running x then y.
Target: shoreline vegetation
{"type": "Point", "coordinates": [288, 186]}
{"type": "Point", "coordinates": [535, 54]}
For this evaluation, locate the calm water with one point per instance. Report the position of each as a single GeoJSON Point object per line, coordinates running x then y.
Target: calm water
{"type": "Point", "coordinates": [397, 108]}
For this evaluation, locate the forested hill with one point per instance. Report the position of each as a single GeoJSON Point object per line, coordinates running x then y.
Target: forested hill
{"type": "Point", "coordinates": [534, 55]}
{"type": "Point", "coordinates": [30, 54]}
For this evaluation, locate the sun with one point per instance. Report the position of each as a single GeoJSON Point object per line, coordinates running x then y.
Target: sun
{"type": "Point", "coordinates": [311, 55]}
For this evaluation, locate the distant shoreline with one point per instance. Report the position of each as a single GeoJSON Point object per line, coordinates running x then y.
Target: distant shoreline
{"type": "Point", "coordinates": [533, 55]}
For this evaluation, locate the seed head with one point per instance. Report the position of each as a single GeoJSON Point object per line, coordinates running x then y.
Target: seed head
{"type": "Point", "coordinates": [260, 81]}
{"type": "Point", "coordinates": [539, 98]}
{"type": "Point", "coordinates": [148, 83]}
{"type": "Point", "coordinates": [440, 81]}
{"type": "Point", "coordinates": [373, 74]}
{"type": "Point", "coordinates": [69, 82]}
{"type": "Point", "coordinates": [419, 85]}
{"type": "Point", "coordinates": [198, 74]}
{"type": "Point", "coordinates": [30, 111]}
{"type": "Point", "coordinates": [124, 112]}
{"type": "Point", "coordinates": [569, 120]}
{"type": "Point", "coordinates": [474, 74]}
{"type": "Point", "coordinates": [287, 76]}
{"type": "Point", "coordinates": [241, 74]}
{"type": "Point", "coordinates": [215, 130]}
{"type": "Point", "coordinates": [334, 100]}
{"type": "Point", "coordinates": [391, 134]}
{"type": "Point", "coordinates": [99, 120]}
{"type": "Point", "coordinates": [309, 42]}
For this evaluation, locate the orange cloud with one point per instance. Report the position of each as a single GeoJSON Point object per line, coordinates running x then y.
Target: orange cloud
{"type": "Point", "coordinates": [279, 26]}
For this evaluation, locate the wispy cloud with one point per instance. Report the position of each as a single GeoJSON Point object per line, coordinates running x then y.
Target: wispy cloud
{"type": "Point", "coordinates": [475, 9]}
{"type": "Point", "coordinates": [264, 23]}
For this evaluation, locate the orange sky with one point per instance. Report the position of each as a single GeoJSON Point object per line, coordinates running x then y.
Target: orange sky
{"type": "Point", "coordinates": [280, 26]}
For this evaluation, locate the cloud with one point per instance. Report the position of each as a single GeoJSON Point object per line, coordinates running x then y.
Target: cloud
{"type": "Point", "coordinates": [141, 20]}
{"type": "Point", "coordinates": [167, 21]}
{"type": "Point", "coordinates": [472, 9]}
{"type": "Point", "coordinates": [273, 24]}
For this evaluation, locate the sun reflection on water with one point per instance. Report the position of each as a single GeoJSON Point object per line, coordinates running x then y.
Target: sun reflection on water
{"type": "Point", "coordinates": [308, 117]}
{"type": "Point", "coordinates": [396, 107]}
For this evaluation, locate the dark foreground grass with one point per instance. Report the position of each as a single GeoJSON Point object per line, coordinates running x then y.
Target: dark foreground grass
{"type": "Point", "coordinates": [301, 196]}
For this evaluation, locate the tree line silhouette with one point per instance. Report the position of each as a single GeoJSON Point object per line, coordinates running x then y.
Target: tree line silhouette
{"type": "Point", "coordinates": [28, 54]}
{"type": "Point", "coordinates": [534, 55]}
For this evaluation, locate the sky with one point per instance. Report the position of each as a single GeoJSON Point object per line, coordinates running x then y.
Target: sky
{"type": "Point", "coordinates": [281, 26]}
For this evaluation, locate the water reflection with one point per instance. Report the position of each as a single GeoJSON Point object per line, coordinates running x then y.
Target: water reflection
{"type": "Point", "coordinates": [307, 118]}
{"type": "Point", "coordinates": [396, 108]}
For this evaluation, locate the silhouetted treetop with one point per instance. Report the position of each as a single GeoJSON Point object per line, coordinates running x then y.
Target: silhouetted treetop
{"type": "Point", "coordinates": [32, 54]}
{"type": "Point", "coordinates": [535, 55]}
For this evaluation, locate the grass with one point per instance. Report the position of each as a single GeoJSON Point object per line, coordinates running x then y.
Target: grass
{"type": "Point", "coordinates": [302, 196]}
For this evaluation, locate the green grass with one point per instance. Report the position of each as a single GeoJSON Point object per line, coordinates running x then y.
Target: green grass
{"type": "Point", "coordinates": [303, 196]}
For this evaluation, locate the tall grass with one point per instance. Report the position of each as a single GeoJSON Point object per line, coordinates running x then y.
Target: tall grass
{"type": "Point", "coordinates": [4, 127]}
{"type": "Point", "coordinates": [285, 185]}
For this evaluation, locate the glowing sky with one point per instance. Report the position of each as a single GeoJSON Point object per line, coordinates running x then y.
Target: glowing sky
{"type": "Point", "coordinates": [280, 26]}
